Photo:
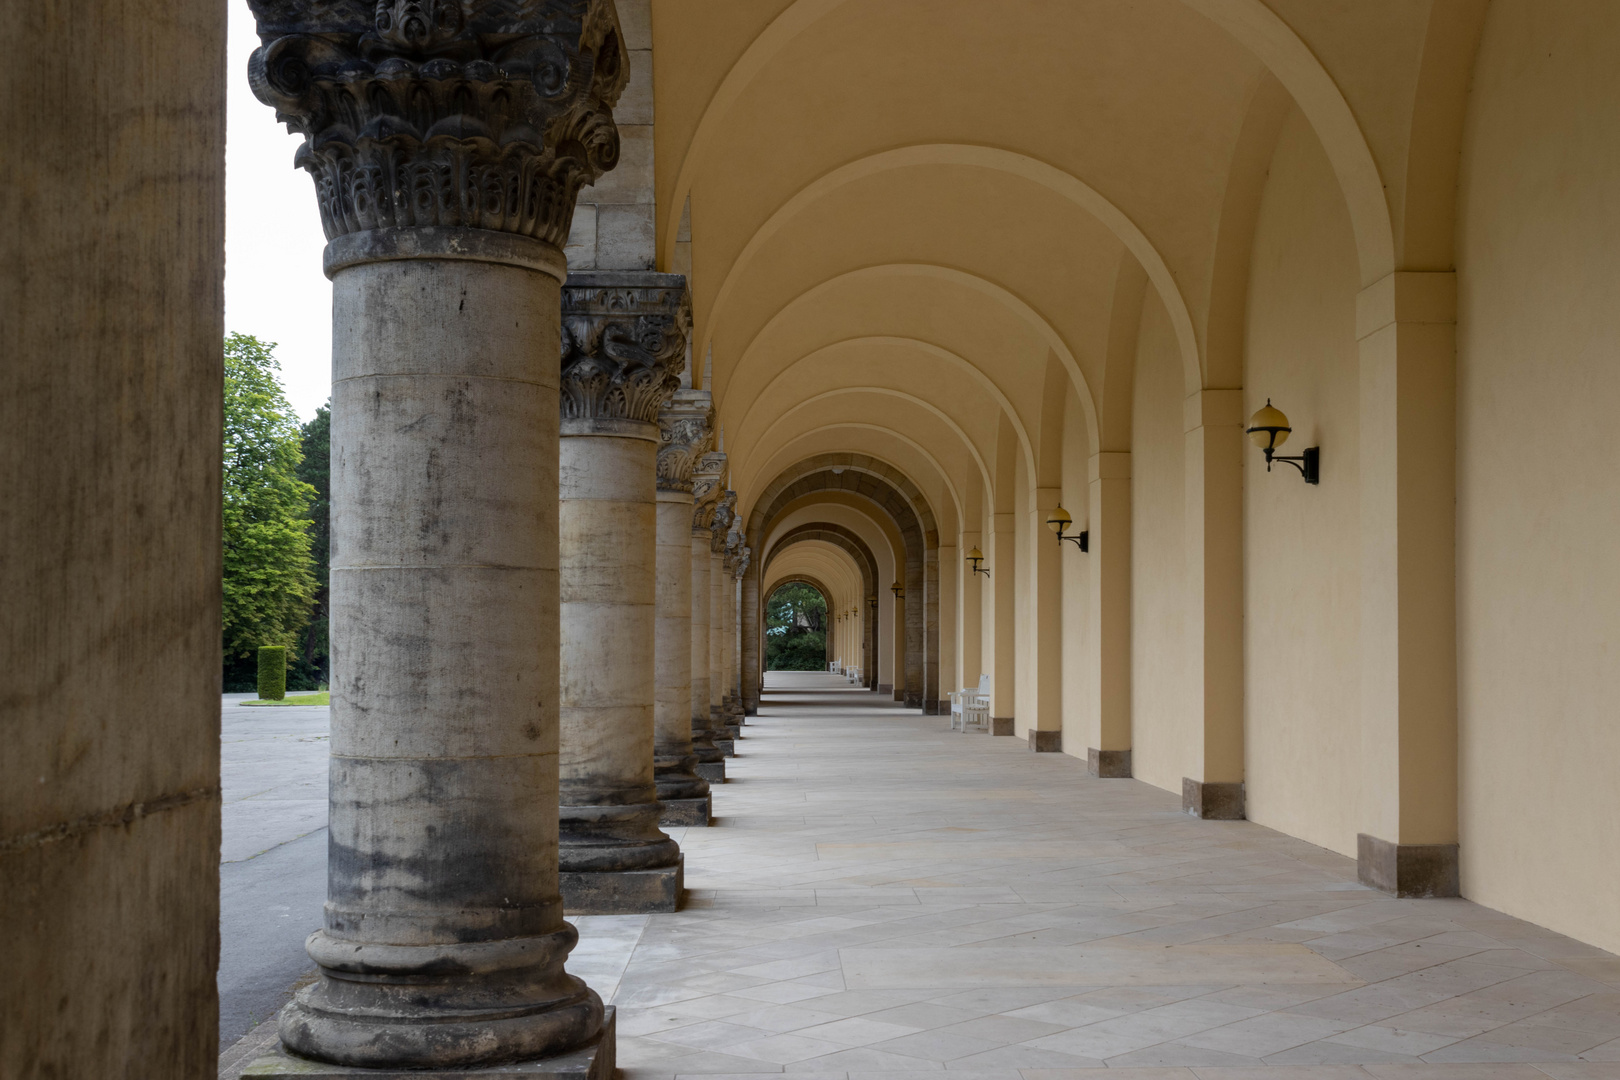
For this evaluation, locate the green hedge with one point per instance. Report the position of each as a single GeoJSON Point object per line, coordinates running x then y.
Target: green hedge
{"type": "Point", "coordinates": [272, 672]}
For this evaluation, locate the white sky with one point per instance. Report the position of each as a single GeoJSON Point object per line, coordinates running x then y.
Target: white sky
{"type": "Point", "coordinates": [274, 288]}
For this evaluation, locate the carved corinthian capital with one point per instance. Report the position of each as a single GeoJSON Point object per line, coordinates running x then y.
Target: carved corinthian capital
{"type": "Point", "coordinates": [725, 511]}
{"type": "Point", "coordinates": [623, 346]}
{"type": "Point", "coordinates": [481, 114]}
{"type": "Point", "coordinates": [706, 489]}
{"type": "Point", "coordinates": [685, 427]}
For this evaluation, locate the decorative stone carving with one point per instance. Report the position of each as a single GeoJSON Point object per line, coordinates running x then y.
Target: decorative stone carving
{"type": "Point", "coordinates": [481, 114]}
{"type": "Point", "coordinates": [686, 427]}
{"type": "Point", "coordinates": [706, 488]}
{"type": "Point", "coordinates": [623, 346]}
{"type": "Point", "coordinates": [725, 510]}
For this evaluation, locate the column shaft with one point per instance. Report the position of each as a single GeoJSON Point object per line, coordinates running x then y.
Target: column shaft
{"type": "Point", "coordinates": [442, 872]}
{"type": "Point", "coordinates": [683, 794]}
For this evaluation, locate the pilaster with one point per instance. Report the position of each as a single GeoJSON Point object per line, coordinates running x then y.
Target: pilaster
{"type": "Point", "coordinates": [1213, 422]}
{"type": "Point", "coordinates": [1045, 721]}
{"type": "Point", "coordinates": [1108, 641]}
{"type": "Point", "coordinates": [1406, 326]}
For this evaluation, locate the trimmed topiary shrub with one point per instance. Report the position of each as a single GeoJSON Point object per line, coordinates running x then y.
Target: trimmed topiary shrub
{"type": "Point", "coordinates": [272, 672]}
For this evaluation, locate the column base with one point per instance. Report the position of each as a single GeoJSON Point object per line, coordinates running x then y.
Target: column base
{"type": "Point", "coordinates": [734, 731]}
{"type": "Point", "coordinates": [1108, 764]}
{"type": "Point", "coordinates": [684, 811]}
{"type": "Point", "coordinates": [931, 707]}
{"type": "Point", "coordinates": [1407, 870]}
{"type": "Point", "coordinates": [1212, 801]}
{"type": "Point", "coordinates": [1001, 725]}
{"type": "Point", "coordinates": [914, 699]}
{"type": "Point", "coordinates": [593, 1061]}
{"type": "Point", "coordinates": [712, 771]}
{"type": "Point", "coordinates": [885, 688]}
{"type": "Point", "coordinates": [726, 746]}
{"type": "Point", "coordinates": [1046, 742]}
{"type": "Point", "coordinates": [623, 892]}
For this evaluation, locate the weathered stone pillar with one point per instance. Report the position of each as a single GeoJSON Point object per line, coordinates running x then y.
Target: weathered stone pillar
{"type": "Point", "coordinates": [622, 353]}
{"type": "Point", "coordinates": [719, 529]}
{"type": "Point", "coordinates": [685, 426]}
{"type": "Point", "coordinates": [706, 493]}
{"type": "Point", "coordinates": [740, 559]}
{"type": "Point", "coordinates": [444, 939]}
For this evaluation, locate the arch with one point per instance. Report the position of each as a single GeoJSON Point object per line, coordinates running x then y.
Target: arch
{"type": "Point", "coordinates": [954, 359]}
{"type": "Point", "coordinates": [865, 560]}
{"type": "Point", "coordinates": [896, 496]}
{"type": "Point", "coordinates": [944, 474]}
{"type": "Point", "coordinates": [983, 286]}
{"type": "Point", "coordinates": [807, 579]}
{"type": "Point", "coordinates": [995, 159]}
{"type": "Point", "coordinates": [1250, 23]}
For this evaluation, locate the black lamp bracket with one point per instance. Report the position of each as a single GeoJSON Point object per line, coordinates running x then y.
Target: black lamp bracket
{"type": "Point", "coordinates": [1309, 463]}
{"type": "Point", "coordinates": [1081, 539]}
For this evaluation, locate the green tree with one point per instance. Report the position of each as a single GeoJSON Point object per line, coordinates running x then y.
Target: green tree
{"type": "Point", "coordinates": [269, 571]}
{"type": "Point", "coordinates": [311, 668]}
{"type": "Point", "coordinates": [795, 629]}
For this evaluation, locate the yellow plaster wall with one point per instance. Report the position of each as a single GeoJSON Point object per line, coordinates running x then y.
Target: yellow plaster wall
{"type": "Point", "coordinates": [1163, 737]}
{"type": "Point", "coordinates": [1302, 543]}
{"type": "Point", "coordinates": [1538, 560]}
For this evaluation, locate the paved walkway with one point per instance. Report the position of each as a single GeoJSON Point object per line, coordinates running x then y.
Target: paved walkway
{"type": "Point", "coordinates": [882, 896]}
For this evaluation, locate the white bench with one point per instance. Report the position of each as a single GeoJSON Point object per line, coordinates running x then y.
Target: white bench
{"type": "Point", "coordinates": [970, 706]}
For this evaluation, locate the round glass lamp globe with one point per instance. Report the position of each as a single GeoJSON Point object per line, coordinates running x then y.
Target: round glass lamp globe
{"type": "Point", "coordinates": [1058, 520]}
{"type": "Point", "coordinates": [1268, 427]}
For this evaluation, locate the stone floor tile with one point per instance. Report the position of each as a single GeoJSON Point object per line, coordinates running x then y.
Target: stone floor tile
{"type": "Point", "coordinates": [708, 1035]}
{"type": "Point", "coordinates": [1609, 1051]}
{"type": "Point", "coordinates": [1261, 1036]}
{"type": "Point", "coordinates": [937, 1045]}
{"type": "Point", "coordinates": [1393, 1040]}
{"type": "Point", "coordinates": [1481, 1049]}
{"type": "Point", "coordinates": [1280, 1072]}
{"type": "Point", "coordinates": [780, 1018]}
{"type": "Point", "coordinates": [1579, 1070]}
{"type": "Point", "coordinates": [1179, 1053]}
{"type": "Point", "coordinates": [1103, 1072]}
{"type": "Point", "coordinates": [1323, 1052]}
{"type": "Point", "coordinates": [1022, 1056]}
{"type": "Point", "coordinates": [925, 1015]}
{"type": "Point", "coordinates": [1004, 999]}
{"type": "Point", "coordinates": [1476, 1071]}
{"type": "Point", "coordinates": [865, 1060]}
{"type": "Point", "coordinates": [784, 1049]}
{"type": "Point", "coordinates": [1068, 1013]}
{"type": "Point", "coordinates": [858, 1031]}
{"type": "Point", "coordinates": [1003, 1029]}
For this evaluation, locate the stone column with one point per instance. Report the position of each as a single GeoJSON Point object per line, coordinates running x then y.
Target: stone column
{"type": "Point", "coordinates": [706, 491]}
{"type": "Point", "coordinates": [685, 426]}
{"type": "Point", "coordinates": [719, 528]}
{"type": "Point", "coordinates": [444, 940]}
{"type": "Point", "coordinates": [741, 577]}
{"type": "Point", "coordinates": [622, 353]}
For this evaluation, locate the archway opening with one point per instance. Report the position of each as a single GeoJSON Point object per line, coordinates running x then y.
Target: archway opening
{"type": "Point", "coordinates": [796, 628]}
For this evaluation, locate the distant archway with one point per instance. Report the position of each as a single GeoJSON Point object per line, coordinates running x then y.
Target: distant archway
{"type": "Point", "coordinates": [796, 614]}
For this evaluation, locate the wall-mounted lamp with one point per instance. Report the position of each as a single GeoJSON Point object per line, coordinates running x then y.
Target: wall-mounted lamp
{"type": "Point", "coordinates": [1058, 520]}
{"type": "Point", "coordinates": [898, 590]}
{"type": "Point", "coordinates": [975, 556]}
{"type": "Point", "coordinates": [1268, 429]}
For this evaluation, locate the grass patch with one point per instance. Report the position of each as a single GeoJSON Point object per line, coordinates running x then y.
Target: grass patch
{"type": "Point", "coordinates": [320, 697]}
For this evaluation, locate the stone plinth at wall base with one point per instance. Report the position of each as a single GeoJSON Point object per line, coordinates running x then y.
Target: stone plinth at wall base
{"type": "Point", "coordinates": [1001, 725]}
{"type": "Point", "coordinates": [1407, 870]}
{"type": "Point", "coordinates": [593, 1061]}
{"type": "Point", "coordinates": [1212, 801]}
{"type": "Point", "coordinates": [712, 771]}
{"type": "Point", "coordinates": [623, 892]}
{"type": "Point", "coordinates": [931, 707]}
{"type": "Point", "coordinates": [1108, 764]}
{"type": "Point", "coordinates": [725, 745]}
{"type": "Point", "coordinates": [684, 811]}
{"type": "Point", "coordinates": [1046, 742]}
{"type": "Point", "coordinates": [885, 688]}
